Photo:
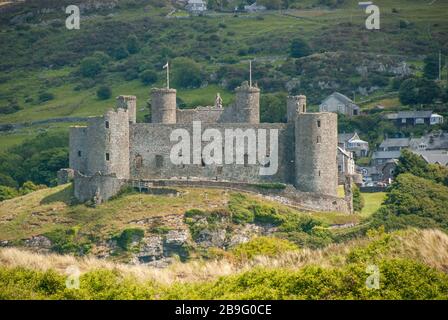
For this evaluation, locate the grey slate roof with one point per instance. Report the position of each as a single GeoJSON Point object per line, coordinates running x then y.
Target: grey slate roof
{"type": "Point", "coordinates": [386, 155]}
{"type": "Point", "coordinates": [395, 142]}
{"type": "Point", "coordinates": [434, 156]}
{"type": "Point", "coordinates": [409, 115]}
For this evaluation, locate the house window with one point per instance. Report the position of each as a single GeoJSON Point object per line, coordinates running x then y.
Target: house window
{"type": "Point", "coordinates": [107, 124]}
{"type": "Point", "coordinates": [79, 153]}
{"type": "Point", "coordinates": [159, 161]}
{"type": "Point", "coordinates": [318, 139]}
{"type": "Point", "coordinates": [318, 123]}
{"type": "Point", "coordinates": [355, 112]}
{"type": "Point", "coordinates": [107, 157]}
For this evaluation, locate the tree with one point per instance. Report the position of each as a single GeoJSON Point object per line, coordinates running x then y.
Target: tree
{"type": "Point", "coordinates": [186, 73]}
{"type": "Point", "coordinates": [104, 92]}
{"type": "Point", "coordinates": [428, 91]}
{"type": "Point", "coordinates": [408, 93]}
{"type": "Point", "coordinates": [8, 181]}
{"type": "Point", "coordinates": [132, 44]}
{"type": "Point", "coordinates": [358, 200]}
{"type": "Point", "coordinates": [299, 48]}
{"type": "Point", "coordinates": [273, 108]}
{"type": "Point", "coordinates": [270, 4]}
{"type": "Point", "coordinates": [431, 69]}
{"type": "Point", "coordinates": [7, 193]}
{"type": "Point", "coordinates": [90, 67]}
{"type": "Point", "coordinates": [148, 77]}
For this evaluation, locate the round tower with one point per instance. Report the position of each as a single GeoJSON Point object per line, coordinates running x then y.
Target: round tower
{"type": "Point", "coordinates": [316, 150]}
{"type": "Point", "coordinates": [163, 105]}
{"type": "Point", "coordinates": [129, 103]}
{"type": "Point", "coordinates": [247, 104]}
{"type": "Point", "coordinates": [294, 106]}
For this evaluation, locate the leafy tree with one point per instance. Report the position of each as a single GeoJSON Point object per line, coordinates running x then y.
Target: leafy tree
{"type": "Point", "coordinates": [8, 181]}
{"type": "Point", "coordinates": [273, 108]}
{"type": "Point", "coordinates": [431, 68]}
{"type": "Point", "coordinates": [132, 44]}
{"type": "Point", "coordinates": [299, 48]}
{"type": "Point", "coordinates": [104, 92]}
{"type": "Point", "coordinates": [148, 77]}
{"type": "Point", "coordinates": [186, 73]}
{"type": "Point", "coordinates": [270, 4]}
{"type": "Point", "coordinates": [119, 53]}
{"type": "Point", "coordinates": [7, 193]}
{"type": "Point", "coordinates": [428, 91]}
{"type": "Point", "coordinates": [408, 93]}
{"type": "Point", "coordinates": [358, 200]}
{"type": "Point", "coordinates": [90, 67]}
{"type": "Point", "coordinates": [43, 166]}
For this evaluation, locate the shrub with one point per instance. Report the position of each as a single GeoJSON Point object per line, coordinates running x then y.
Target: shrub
{"type": "Point", "coordinates": [148, 77]}
{"type": "Point", "coordinates": [104, 93]}
{"type": "Point", "coordinates": [132, 44]}
{"type": "Point", "coordinates": [266, 246]}
{"type": "Point", "coordinates": [67, 241]}
{"type": "Point", "coordinates": [299, 48]}
{"type": "Point", "coordinates": [7, 193]}
{"type": "Point", "coordinates": [128, 236]}
{"type": "Point", "coordinates": [358, 200]}
{"type": "Point", "coordinates": [186, 73]}
{"type": "Point", "coordinates": [266, 214]}
{"type": "Point", "coordinates": [45, 96]}
{"type": "Point", "coordinates": [90, 67]}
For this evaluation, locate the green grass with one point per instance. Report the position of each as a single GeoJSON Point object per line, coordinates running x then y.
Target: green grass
{"type": "Point", "coordinates": [372, 202]}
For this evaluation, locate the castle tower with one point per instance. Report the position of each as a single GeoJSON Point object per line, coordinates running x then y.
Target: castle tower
{"type": "Point", "coordinates": [129, 103]}
{"type": "Point", "coordinates": [163, 105]}
{"type": "Point", "coordinates": [107, 144]}
{"type": "Point", "coordinates": [247, 104]}
{"type": "Point", "coordinates": [294, 106]}
{"type": "Point", "coordinates": [316, 151]}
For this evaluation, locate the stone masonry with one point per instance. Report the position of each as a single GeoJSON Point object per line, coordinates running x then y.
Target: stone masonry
{"type": "Point", "coordinates": [114, 149]}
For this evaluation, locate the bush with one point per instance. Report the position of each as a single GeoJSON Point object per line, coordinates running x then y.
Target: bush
{"type": "Point", "coordinates": [104, 93]}
{"type": "Point", "coordinates": [186, 73]}
{"type": "Point", "coordinates": [8, 181]}
{"type": "Point", "coordinates": [128, 236]}
{"type": "Point", "coordinates": [148, 77]}
{"type": "Point", "coordinates": [45, 96]}
{"type": "Point", "coordinates": [65, 241]}
{"type": "Point", "coordinates": [358, 200]}
{"type": "Point", "coordinates": [266, 246]}
{"type": "Point", "coordinates": [132, 44]}
{"type": "Point", "coordinates": [266, 214]}
{"type": "Point", "coordinates": [90, 67]}
{"type": "Point", "coordinates": [7, 193]}
{"type": "Point", "coordinates": [299, 48]}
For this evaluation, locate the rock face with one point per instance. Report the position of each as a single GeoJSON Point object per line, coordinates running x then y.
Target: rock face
{"type": "Point", "coordinates": [150, 250]}
{"type": "Point", "coordinates": [39, 243]}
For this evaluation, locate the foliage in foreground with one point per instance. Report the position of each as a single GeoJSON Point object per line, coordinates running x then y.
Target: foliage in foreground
{"type": "Point", "coordinates": [399, 279]}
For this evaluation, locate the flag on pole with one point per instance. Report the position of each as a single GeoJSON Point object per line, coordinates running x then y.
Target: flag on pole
{"type": "Point", "coordinates": [167, 67]}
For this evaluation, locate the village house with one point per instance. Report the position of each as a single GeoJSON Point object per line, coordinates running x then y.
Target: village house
{"type": "Point", "coordinates": [353, 143]}
{"type": "Point", "coordinates": [434, 156]}
{"type": "Point", "coordinates": [196, 6]}
{"type": "Point", "coordinates": [337, 102]}
{"type": "Point", "coordinates": [412, 118]}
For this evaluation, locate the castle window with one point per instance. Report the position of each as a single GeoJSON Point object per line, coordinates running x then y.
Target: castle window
{"type": "Point", "coordinates": [246, 160]}
{"type": "Point", "coordinates": [318, 139]}
{"type": "Point", "coordinates": [219, 169]}
{"type": "Point", "coordinates": [79, 153]}
{"type": "Point", "coordinates": [318, 123]}
{"type": "Point", "coordinates": [138, 161]}
{"type": "Point", "coordinates": [159, 161]}
{"type": "Point", "coordinates": [202, 162]}
{"type": "Point", "coordinates": [107, 157]}
{"type": "Point", "coordinates": [107, 124]}
{"type": "Point", "coordinates": [319, 173]}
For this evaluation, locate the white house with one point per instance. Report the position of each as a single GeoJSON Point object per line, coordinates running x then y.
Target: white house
{"type": "Point", "coordinates": [196, 6]}
{"type": "Point", "coordinates": [353, 143]}
{"type": "Point", "coordinates": [436, 119]}
{"type": "Point", "coordinates": [337, 102]}
{"type": "Point", "coordinates": [254, 7]}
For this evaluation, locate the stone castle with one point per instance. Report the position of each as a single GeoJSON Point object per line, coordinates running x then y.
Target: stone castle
{"type": "Point", "coordinates": [114, 150]}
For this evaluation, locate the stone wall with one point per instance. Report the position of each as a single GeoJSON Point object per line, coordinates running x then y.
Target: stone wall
{"type": "Point", "coordinates": [151, 146]}
{"type": "Point", "coordinates": [97, 187]}
{"type": "Point", "coordinates": [163, 105]}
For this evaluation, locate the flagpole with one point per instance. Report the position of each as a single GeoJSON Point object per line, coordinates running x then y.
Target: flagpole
{"type": "Point", "coordinates": [167, 75]}
{"type": "Point", "coordinates": [250, 73]}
